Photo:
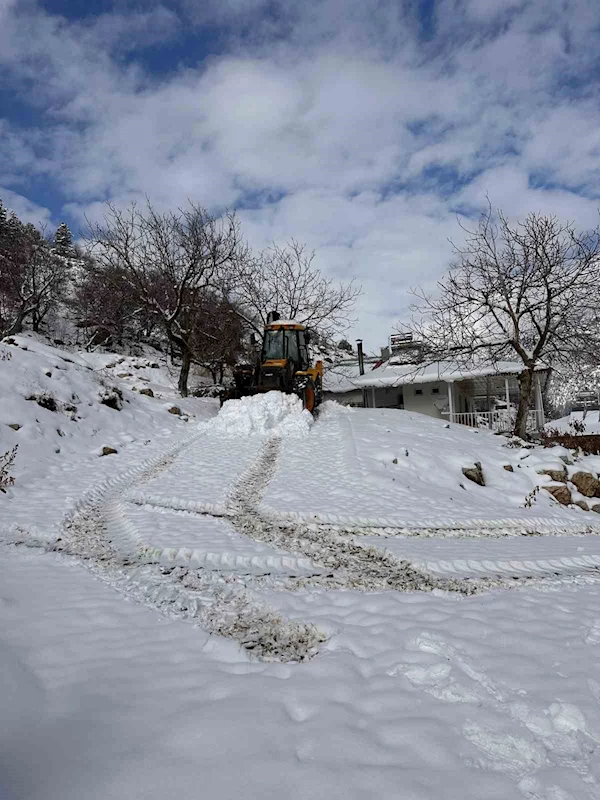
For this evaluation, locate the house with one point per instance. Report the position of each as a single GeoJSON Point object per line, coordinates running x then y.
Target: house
{"type": "Point", "coordinates": [478, 396]}
{"type": "Point", "coordinates": [339, 380]}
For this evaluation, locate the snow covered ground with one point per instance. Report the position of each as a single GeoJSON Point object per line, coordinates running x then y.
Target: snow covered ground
{"type": "Point", "coordinates": [257, 605]}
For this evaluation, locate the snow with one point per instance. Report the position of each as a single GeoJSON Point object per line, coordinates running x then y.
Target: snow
{"type": "Point", "coordinates": [271, 413]}
{"type": "Point", "coordinates": [405, 469]}
{"type": "Point", "coordinates": [566, 424]}
{"type": "Point", "coordinates": [256, 604]}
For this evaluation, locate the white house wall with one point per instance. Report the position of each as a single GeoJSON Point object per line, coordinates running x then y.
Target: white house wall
{"type": "Point", "coordinates": [429, 402]}
{"type": "Point", "coordinates": [385, 397]}
{"type": "Point", "coordinates": [353, 398]}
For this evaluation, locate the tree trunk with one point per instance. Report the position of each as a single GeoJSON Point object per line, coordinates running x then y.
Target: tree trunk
{"type": "Point", "coordinates": [186, 361]}
{"type": "Point", "coordinates": [525, 385]}
{"type": "Point", "coordinates": [17, 325]}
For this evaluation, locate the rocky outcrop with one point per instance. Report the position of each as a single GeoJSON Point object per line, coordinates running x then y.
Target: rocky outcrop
{"type": "Point", "coordinates": [559, 492]}
{"type": "Point", "coordinates": [557, 475]}
{"type": "Point", "coordinates": [474, 473]}
{"type": "Point", "coordinates": [586, 483]}
{"type": "Point", "coordinates": [582, 504]}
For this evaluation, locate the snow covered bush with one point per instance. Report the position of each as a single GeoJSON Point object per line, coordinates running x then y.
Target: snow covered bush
{"type": "Point", "coordinates": [111, 396]}
{"type": "Point", "coordinates": [45, 399]}
{"type": "Point", "coordinates": [6, 462]}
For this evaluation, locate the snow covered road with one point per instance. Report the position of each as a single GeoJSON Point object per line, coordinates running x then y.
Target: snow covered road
{"type": "Point", "coordinates": [290, 540]}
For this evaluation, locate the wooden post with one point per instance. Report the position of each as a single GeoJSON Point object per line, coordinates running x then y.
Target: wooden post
{"type": "Point", "coordinates": [487, 392]}
{"type": "Point", "coordinates": [373, 396]}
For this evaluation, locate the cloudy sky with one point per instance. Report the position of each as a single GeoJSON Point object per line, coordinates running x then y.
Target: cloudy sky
{"type": "Point", "coordinates": [361, 127]}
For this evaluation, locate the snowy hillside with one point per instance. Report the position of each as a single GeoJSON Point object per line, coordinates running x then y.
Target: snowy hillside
{"type": "Point", "coordinates": [64, 409]}
{"type": "Point", "coordinates": [368, 604]}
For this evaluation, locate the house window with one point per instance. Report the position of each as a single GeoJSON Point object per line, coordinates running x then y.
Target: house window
{"type": "Point", "coordinates": [435, 390]}
{"type": "Point", "coordinates": [418, 391]}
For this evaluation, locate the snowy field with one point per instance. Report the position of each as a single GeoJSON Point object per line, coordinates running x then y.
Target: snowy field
{"type": "Point", "coordinates": [257, 604]}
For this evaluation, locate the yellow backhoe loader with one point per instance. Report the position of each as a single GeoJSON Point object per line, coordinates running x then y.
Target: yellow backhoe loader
{"type": "Point", "coordinates": [284, 365]}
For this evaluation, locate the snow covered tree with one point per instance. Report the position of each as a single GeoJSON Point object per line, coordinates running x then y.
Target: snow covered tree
{"type": "Point", "coordinates": [169, 260]}
{"type": "Point", "coordinates": [63, 241]}
{"type": "Point", "coordinates": [33, 279]}
{"type": "Point", "coordinates": [284, 279]}
{"type": "Point", "coordinates": [528, 291]}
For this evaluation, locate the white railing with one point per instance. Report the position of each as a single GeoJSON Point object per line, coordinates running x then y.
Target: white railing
{"type": "Point", "coordinates": [493, 420]}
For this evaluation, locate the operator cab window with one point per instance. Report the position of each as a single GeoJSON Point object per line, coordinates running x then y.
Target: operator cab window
{"type": "Point", "coordinates": [304, 359]}
{"type": "Point", "coordinates": [292, 346]}
{"type": "Point", "coordinates": [273, 346]}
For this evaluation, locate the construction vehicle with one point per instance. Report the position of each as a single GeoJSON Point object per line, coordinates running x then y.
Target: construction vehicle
{"type": "Point", "coordinates": [284, 365]}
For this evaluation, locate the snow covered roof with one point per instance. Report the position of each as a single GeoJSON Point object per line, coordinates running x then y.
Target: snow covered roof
{"type": "Point", "coordinates": [285, 322]}
{"type": "Point", "coordinates": [393, 374]}
{"type": "Point", "coordinates": [342, 377]}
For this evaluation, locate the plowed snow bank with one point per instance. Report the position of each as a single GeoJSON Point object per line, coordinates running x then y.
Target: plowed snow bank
{"type": "Point", "coordinates": [273, 412]}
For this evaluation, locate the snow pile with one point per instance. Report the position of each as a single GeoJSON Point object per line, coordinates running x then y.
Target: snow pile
{"type": "Point", "coordinates": [271, 413]}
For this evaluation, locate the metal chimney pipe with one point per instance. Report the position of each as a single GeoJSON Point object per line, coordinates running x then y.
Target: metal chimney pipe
{"type": "Point", "coordinates": [361, 357]}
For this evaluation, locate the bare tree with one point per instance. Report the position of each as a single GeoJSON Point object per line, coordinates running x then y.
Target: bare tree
{"type": "Point", "coordinates": [33, 279]}
{"type": "Point", "coordinates": [528, 291]}
{"type": "Point", "coordinates": [284, 279]}
{"type": "Point", "coordinates": [218, 339]}
{"type": "Point", "coordinates": [105, 306]}
{"type": "Point", "coordinates": [169, 260]}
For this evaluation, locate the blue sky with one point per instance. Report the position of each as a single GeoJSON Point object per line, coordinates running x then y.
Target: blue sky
{"type": "Point", "coordinates": [361, 127]}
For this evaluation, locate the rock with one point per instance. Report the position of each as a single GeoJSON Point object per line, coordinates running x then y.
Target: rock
{"type": "Point", "coordinates": [558, 475]}
{"type": "Point", "coordinates": [586, 484]}
{"type": "Point", "coordinates": [108, 451]}
{"type": "Point", "coordinates": [474, 474]}
{"type": "Point", "coordinates": [596, 508]}
{"type": "Point", "coordinates": [582, 504]}
{"type": "Point", "coordinates": [123, 374]}
{"type": "Point", "coordinates": [147, 391]}
{"type": "Point", "coordinates": [560, 492]}
{"type": "Point", "coordinates": [508, 467]}
{"type": "Point", "coordinates": [175, 410]}
{"type": "Point", "coordinates": [15, 426]}
{"type": "Point", "coordinates": [394, 461]}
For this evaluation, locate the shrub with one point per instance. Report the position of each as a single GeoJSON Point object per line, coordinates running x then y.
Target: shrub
{"type": "Point", "coordinates": [112, 397]}
{"type": "Point", "coordinates": [45, 400]}
{"type": "Point", "coordinates": [6, 462]}
{"type": "Point", "coordinates": [588, 443]}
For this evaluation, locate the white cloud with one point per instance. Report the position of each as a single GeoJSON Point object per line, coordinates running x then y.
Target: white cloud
{"type": "Point", "coordinates": [342, 126]}
{"type": "Point", "coordinates": [24, 208]}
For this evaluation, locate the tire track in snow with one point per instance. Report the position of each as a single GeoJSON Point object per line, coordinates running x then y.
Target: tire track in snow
{"type": "Point", "coordinates": [176, 584]}
{"type": "Point", "coordinates": [344, 564]}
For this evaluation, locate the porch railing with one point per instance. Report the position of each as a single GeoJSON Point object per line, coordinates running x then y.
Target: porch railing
{"type": "Point", "coordinates": [501, 420]}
